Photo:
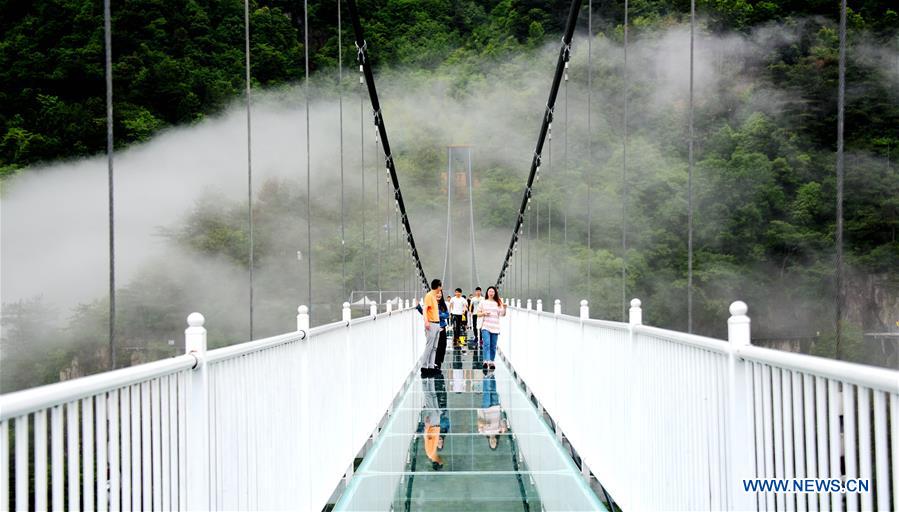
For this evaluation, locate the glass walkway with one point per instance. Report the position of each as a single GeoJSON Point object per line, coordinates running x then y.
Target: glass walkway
{"type": "Point", "coordinates": [467, 439]}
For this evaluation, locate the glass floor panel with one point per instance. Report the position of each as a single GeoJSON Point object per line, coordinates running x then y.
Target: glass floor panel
{"type": "Point", "coordinates": [467, 439]}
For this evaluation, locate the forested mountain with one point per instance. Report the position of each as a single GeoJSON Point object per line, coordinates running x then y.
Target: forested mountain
{"type": "Point", "coordinates": [764, 182]}
{"type": "Point", "coordinates": [177, 61]}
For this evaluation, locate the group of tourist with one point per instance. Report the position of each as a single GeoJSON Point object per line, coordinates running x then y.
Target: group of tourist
{"type": "Point", "coordinates": [483, 311]}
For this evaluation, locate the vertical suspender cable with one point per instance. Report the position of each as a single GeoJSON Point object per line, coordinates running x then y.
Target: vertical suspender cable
{"type": "Point", "coordinates": [549, 240]}
{"type": "Point", "coordinates": [449, 205]}
{"type": "Point", "coordinates": [107, 33]}
{"type": "Point", "coordinates": [589, 148]}
{"type": "Point", "coordinates": [530, 243]}
{"type": "Point", "coordinates": [624, 184]}
{"type": "Point", "coordinates": [549, 222]}
{"type": "Point", "coordinates": [379, 229]}
{"type": "Point", "coordinates": [340, 113]}
{"type": "Point", "coordinates": [565, 170]}
{"type": "Point", "coordinates": [841, 104]}
{"type": "Point", "coordinates": [362, 165]}
{"type": "Point", "coordinates": [475, 278]}
{"type": "Point", "coordinates": [246, 20]}
{"type": "Point", "coordinates": [537, 252]}
{"type": "Point", "coordinates": [308, 164]}
{"type": "Point", "coordinates": [690, 183]}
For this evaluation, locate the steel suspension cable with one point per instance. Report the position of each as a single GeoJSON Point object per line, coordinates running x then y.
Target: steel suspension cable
{"type": "Point", "coordinates": [530, 243]}
{"type": "Point", "coordinates": [549, 221]}
{"type": "Point", "coordinates": [589, 150]}
{"type": "Point", "coordinates": [841, 104]}
{"type": "Point", "coordinates": [365, 63]}
{"type": "Point", "coordinates": [362, 155]}
{"type": "Point", "coordinates": [475, 277]}
{"type": "Point", "coordinates": [449, 209]}
{"type": "Point", "coordinates": [624, 183]}
{"type": "Point", "coordinates": [379, 228]}
{"type": "Point", "coordinates": [308, 164]}
{"type": "Point", "coordinates": [340, 112]}
{"type": "Point", "coordinates": [246, 14]}
{"type": "Point", "coordinates": [565, 168]}
{"type": "Point", "coordinates": [537, 251]}
{"type": "Point", "coordinates": [690, 184]}
{"type": "Point", "coordinates": [110, 150]}
{"type": "Point", "coordinates": [564, 55]}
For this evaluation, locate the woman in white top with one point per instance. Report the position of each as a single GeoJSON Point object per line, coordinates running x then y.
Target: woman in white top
{"type": "Point", "coordinates": [490, 309]}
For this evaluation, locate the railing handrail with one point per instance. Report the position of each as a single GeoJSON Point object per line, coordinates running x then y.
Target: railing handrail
{"type": "Point", "coordinates": [43, 397]}
{"type": "Point", "coordinates": [881, 379]}
{"type": "Point", "coordinates": [694, 340]}
{"type": "Point", "coordinates": [248, 347]}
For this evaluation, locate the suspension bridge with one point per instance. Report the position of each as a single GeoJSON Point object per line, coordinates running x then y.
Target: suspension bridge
{"type": "Point", "coordinates": [580, 413]}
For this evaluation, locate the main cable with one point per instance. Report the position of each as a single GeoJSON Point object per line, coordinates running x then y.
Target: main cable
{"type": "Point", "coordinates": [364, 62]}
{"type": "Point", "coordinates": [564, 55]}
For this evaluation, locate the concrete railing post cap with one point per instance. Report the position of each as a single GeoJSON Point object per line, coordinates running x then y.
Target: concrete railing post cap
{"type": "Point", "coordinates": [346, 305]}
{"type": "Point", "coordinates": [583, 302]}
{"type": "Point", "coordinates": [196, 320]}
{"type": "Point", "coordinates": [557, 301]}
{"type": "Point", "coordinates": [738, 308]}
{"type": "Point", "coordinates": [302, 310]}
{"type": "Point", "coordinates": [635, 303]}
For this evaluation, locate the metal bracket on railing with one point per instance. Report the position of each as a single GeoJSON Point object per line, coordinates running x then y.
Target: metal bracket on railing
{"type": "Point", "coordinates": [197, 360]}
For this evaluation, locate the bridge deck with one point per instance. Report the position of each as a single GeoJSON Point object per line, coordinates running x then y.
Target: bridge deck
{"type": "Point", "coordinates": [409, 469]}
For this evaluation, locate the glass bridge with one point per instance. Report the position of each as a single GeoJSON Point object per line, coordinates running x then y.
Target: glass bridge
{"type": "Point", "coordinates": [467, 439]}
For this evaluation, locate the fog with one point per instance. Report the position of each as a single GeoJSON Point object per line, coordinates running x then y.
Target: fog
{"type": "Point", "coordinates": [54, 217]}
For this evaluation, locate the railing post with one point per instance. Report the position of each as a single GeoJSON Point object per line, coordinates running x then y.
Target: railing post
{"type": "Point", "coordinates": [346, 313]}
{"type": "Point", "coordinates": [519, 304]}
{"type": "Point", "coordinates": [373, 309]}
{"type": "Point", "coordinates": [529, 304]}
{"type": "Point", "coordinates": [197, 418]}
{"type": "Point", "coordinates": [636, 313]}
{"type": "Point", "coordinates": [585, 310]}
{"type": "Point", "coordinates": [539, 304]}
{"type": "Point", "coordinates": [305, 429]}
{"type": "Point", "coordinates": [389, 306]}
{"type": "Point", "coordinates": [406, 304]}
{"type": "Point", "coordinates": [557, 307]}
{"type": "Point", "coordinates": [303, 320]}
{"type": "Point", "coordinates": [741, 460]}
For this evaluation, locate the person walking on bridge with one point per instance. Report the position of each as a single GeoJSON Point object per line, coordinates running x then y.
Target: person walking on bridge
{"type": "Point", "coordinates": [458, 306]}
{"type": "Point", "coordinates": [444, 321]}
{"type": "Point", "coordinates": [473, 314]}
{"type": "Point", "coordinates": [491, 308]}
{"type": "Point", "coordinates": [431, 315]}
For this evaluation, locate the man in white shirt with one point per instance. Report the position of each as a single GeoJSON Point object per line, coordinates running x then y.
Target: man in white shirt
{"type": "Point", "coordinates": [458, 307]}
{"type": "Point", "coordinates": [472, 313]}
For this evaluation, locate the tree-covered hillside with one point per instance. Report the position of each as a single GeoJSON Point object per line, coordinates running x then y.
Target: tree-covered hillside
{"type": "Point", "coordinates": [178, 61]}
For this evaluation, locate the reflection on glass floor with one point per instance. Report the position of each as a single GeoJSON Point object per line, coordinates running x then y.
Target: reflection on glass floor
{"type": "Point", "coordinates": [467, 440]}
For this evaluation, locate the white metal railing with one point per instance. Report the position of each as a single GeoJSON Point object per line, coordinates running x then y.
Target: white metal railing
{"type": "Point", "coordinates": [673, 421]}
{"type": "Point", "coordinates": [268, 424]}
